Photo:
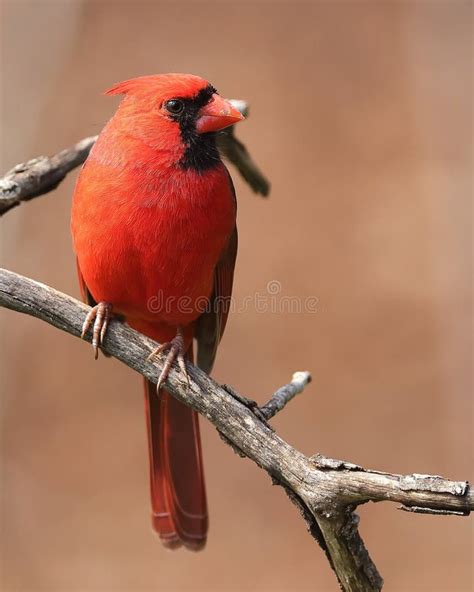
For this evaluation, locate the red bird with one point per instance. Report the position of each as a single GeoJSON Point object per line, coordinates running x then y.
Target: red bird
{"type": "Point", "coordinates": [154, 231]}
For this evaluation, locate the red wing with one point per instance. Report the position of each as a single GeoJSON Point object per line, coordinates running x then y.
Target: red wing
{"type": "Point", "coordinates": [211, 324]}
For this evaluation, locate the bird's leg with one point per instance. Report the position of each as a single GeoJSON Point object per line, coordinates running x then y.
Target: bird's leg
{"type": "Point", "coordinates": [176, 352]}
{"type": "Point", "coordinates": [100, 315]}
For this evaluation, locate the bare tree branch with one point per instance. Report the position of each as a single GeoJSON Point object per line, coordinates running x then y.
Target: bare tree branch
{"type": "Point", "coordinates": [284, 394]}
{"type": "Point", "coordinates": [233, 149]}
{"type": "Point", "coordinates": [40, 175]}
{"type": "Point", "coordinates": [325, 490]}
{"type": "Point", "coordinates": [349, 557]}
{"type": "Point", "coordinates": [43, 174]}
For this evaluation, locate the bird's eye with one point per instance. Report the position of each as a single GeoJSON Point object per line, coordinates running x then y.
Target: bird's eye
{"type": "Point", "coordinates": [174, 106]}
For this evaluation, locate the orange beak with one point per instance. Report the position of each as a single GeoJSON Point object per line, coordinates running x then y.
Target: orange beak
{"type": "Point", "coordinates": [216, 115]}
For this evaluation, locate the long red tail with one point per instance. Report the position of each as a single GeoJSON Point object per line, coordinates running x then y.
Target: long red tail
{"type": "Point", "coordinates": [178, 495]}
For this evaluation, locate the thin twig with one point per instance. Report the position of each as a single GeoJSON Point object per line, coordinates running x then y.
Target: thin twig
{"type": "Point", "coordinates": [325, 490]}
{"type": "Point", "coordinates": [284, 394]}
{"type": "Point", "coordinates": [236, 152]}
{"type": "Point", "coordinates": [40, 175]}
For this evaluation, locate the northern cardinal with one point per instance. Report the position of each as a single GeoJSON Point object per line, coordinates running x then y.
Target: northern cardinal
{"type": "Point", "coordinates": [154, 231]}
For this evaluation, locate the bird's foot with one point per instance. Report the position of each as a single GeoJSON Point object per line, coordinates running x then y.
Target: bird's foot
{"type": "Point", "coordinates": [99, 316]}
{"type": "Point", "coordinates": [176, 353]}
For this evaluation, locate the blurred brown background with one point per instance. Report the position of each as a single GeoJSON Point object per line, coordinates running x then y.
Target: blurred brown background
{"type": "Point", "coordinates": [361, 116]}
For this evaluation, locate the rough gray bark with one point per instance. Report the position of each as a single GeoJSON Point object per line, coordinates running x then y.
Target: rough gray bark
{"type": "Point", "coordinates": [40, 175]}
{"type": "Point", "coordinates": [325, 490]}
{"type": "Point", "coordinates": [284, 394]}
{"type": "Point", "coordinates": [43, 174]}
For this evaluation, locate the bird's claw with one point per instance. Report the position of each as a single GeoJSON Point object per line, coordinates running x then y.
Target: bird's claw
{"type": "Point", "coordinates": [176, 352]}
{"type": "Point", "coordinates": [100, 315]}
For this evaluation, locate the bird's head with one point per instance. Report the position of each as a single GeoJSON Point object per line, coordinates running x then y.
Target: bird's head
{"type": "Point", "coordinates": [179, 112]}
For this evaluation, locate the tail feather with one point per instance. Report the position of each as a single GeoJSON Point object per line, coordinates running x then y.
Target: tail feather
{"type": "Point", "coordinates": [178, 497]}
